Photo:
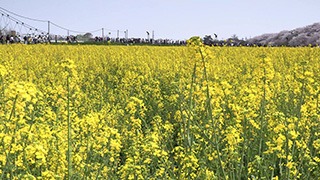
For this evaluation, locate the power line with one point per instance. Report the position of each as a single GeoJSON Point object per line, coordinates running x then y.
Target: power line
{"type": "Point", "coordinates": [39, 20]}
{"type": "Point", "coordinates": [5, 11]}
{"type": "Point", "coordinates": [95, 31]}
{"type": "Point", "coordinates": [81, 32]}
{"type": "Point", "coordinates": [65, 28]}
{"type": "Point", "coordinates": [17, 21]}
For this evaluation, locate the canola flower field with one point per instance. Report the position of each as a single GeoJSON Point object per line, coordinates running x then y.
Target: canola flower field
{"type": "Point", "coordinates": [132, 112]}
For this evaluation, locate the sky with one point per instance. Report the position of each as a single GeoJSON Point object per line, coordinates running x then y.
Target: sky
{"type": "Point", "coordinates": [169, 19]}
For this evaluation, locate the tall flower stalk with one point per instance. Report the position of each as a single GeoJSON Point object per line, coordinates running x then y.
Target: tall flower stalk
{"type": "Point", "coordinates": [69, 134]}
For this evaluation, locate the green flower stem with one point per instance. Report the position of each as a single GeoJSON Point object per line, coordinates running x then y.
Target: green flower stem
{"type": "Point", "coordinates": [211, 116]}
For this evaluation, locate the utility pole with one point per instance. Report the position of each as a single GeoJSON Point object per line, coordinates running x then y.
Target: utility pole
{"type": "Point", "coordinates": [48, 38]}
{"type": "Point", "coordinates": [153, 36]}
{"type": "Point", "coordinates": [127, 34]}
{"type": "Point", "coordinates": [102, 34]}
{"type": "Point", "coordinates": [118, 35]}
{"type": "Point", "coordinates": [48, 27]}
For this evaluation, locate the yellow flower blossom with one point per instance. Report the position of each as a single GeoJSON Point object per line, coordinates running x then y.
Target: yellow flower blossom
{"type": "Point", "coordinates": [148, 112]}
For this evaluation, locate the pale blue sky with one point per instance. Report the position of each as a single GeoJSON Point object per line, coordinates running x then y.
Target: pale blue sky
{"type": "Point", "coordinates": [173, 19]}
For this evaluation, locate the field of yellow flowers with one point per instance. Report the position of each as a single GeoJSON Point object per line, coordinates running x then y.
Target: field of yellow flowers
{"type": "Point", "coordinates": [143, 112]}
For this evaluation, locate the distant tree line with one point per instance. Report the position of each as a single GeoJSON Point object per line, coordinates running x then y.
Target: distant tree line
{"type": "Point", "coordinates": [304, 36]}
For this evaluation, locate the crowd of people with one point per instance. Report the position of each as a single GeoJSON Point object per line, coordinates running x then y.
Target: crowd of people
{"type": "Point", "coordinates": [25, 39]}
{"type": "Point", "coordinates": [36, 39]}
{"type": "Point", "coordinates": [40, 39]}
{"type": "Point", "coordinates": [141, 41]}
